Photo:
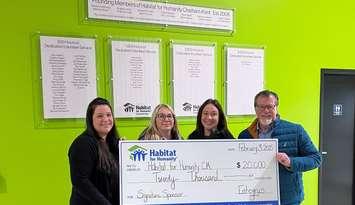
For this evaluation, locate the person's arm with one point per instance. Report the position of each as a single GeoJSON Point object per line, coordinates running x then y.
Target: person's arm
{"type": "Point", "coordinates": [82, 163]}
{"type": "Point", "coordinates": [309, 157]}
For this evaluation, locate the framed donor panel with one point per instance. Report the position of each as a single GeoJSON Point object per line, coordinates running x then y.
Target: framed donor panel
{"type": "Point", "coordinates": [135, 77]}
{"type": "Point", "coordinates": [68, 74]}
{"type": "Point", "coordinates": [244, 78]}
{"type": "Point", "coordinates": [164, 14]}
{"type": "Point", "coordinates": [193, 76]}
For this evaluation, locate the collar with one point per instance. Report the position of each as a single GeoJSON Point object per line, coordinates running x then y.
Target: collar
{"type": "Point", "coordinates": [269, 128]}
{"type": "Point", "coordinates": [253, 128]}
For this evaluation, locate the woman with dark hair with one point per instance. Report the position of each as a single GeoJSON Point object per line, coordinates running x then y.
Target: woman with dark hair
{"type": "Point", "coordinates": [211, 122]}
{"type": "Point", "coordinates": [163, 125]}
{"type": "Point", "coordinates": [93, 158]}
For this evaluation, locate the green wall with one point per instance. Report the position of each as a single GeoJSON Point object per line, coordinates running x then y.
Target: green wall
{"type": "Point", "coordinates": [300, 38]}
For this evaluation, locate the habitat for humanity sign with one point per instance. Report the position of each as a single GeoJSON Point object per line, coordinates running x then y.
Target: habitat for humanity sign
{"type": "Point", "coordinates": [242, 172]}
{"type": "Point", "coordinates": [162, 13]}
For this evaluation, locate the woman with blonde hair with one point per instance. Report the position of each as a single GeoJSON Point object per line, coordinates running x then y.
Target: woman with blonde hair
{"type": "Point", "coordinates": [163, 125]}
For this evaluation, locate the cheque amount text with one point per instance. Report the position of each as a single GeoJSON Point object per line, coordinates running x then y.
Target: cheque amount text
{"type": "Point", "coordinates": [248, 164]}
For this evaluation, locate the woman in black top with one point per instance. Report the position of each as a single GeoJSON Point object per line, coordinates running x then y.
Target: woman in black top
{"type": "Point", "coordinates": [93, 158]}
{"type": "Point", "coordinates": [211, 122]}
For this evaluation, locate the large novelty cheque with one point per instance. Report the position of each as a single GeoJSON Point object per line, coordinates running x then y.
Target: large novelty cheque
{"type": "Point", "coordinates": [243, 172]}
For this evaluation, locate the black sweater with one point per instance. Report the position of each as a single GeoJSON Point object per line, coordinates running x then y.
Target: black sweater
{"type": "Point", "coordinates": [216, 135]}
{"type": "Point", "coordinates": [90, 185]}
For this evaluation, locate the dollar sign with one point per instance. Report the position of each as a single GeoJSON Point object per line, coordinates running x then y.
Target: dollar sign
{"type": "Point", "coordinates": [238, 164]}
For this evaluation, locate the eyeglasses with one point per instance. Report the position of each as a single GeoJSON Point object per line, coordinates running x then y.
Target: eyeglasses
{"type": "Point", "coordinates": [264, 107]}
{"type": "Point", "coordinates": [162, 116]}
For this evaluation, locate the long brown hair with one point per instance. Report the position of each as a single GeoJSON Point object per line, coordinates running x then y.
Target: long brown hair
{"type": "Point", "coordinates": [107, 150]}
{"type": "Point", "coordinates": [222, 122]}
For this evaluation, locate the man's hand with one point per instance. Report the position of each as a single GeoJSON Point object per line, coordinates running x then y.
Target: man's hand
{"type": "Point", "coordinates": [283, 159]}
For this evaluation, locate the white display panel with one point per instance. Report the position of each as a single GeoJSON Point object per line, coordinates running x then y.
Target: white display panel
{"type": "Point", "coordinates": [193, 77]}
{"type": "Point", "coordinates": [136, 77]}
{"type": "Point", "coordinates": [162, 13]}
{"type": "Point", "coordinates": [68, 68]}
{"type": "Point", "coordinates": [245, 78]}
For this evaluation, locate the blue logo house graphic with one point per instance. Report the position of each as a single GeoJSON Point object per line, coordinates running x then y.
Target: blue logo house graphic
{"type": "Point", "coordinates": [137, 153]}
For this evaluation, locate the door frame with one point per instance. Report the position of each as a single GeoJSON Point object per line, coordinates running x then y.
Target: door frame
{"type": "Point", "coordinates": [324, 72]}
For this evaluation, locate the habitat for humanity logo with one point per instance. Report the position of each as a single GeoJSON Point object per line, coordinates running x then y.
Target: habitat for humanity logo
{"type": "Point", "coordinates": [188, 107]}
{"type": "Point", "coordinates": [137, 153]}
{"type": "Point", "coordinates": [128, 107]}
{"type": "Point", "coordinates": [137, 109]}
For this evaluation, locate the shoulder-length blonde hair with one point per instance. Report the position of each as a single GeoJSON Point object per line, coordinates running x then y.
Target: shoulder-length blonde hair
{"type": "Point", "coordinates": [152, 132]}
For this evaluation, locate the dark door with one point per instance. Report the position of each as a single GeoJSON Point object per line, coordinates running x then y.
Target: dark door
{"type": "Point", "coordinates": [336, 175]}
